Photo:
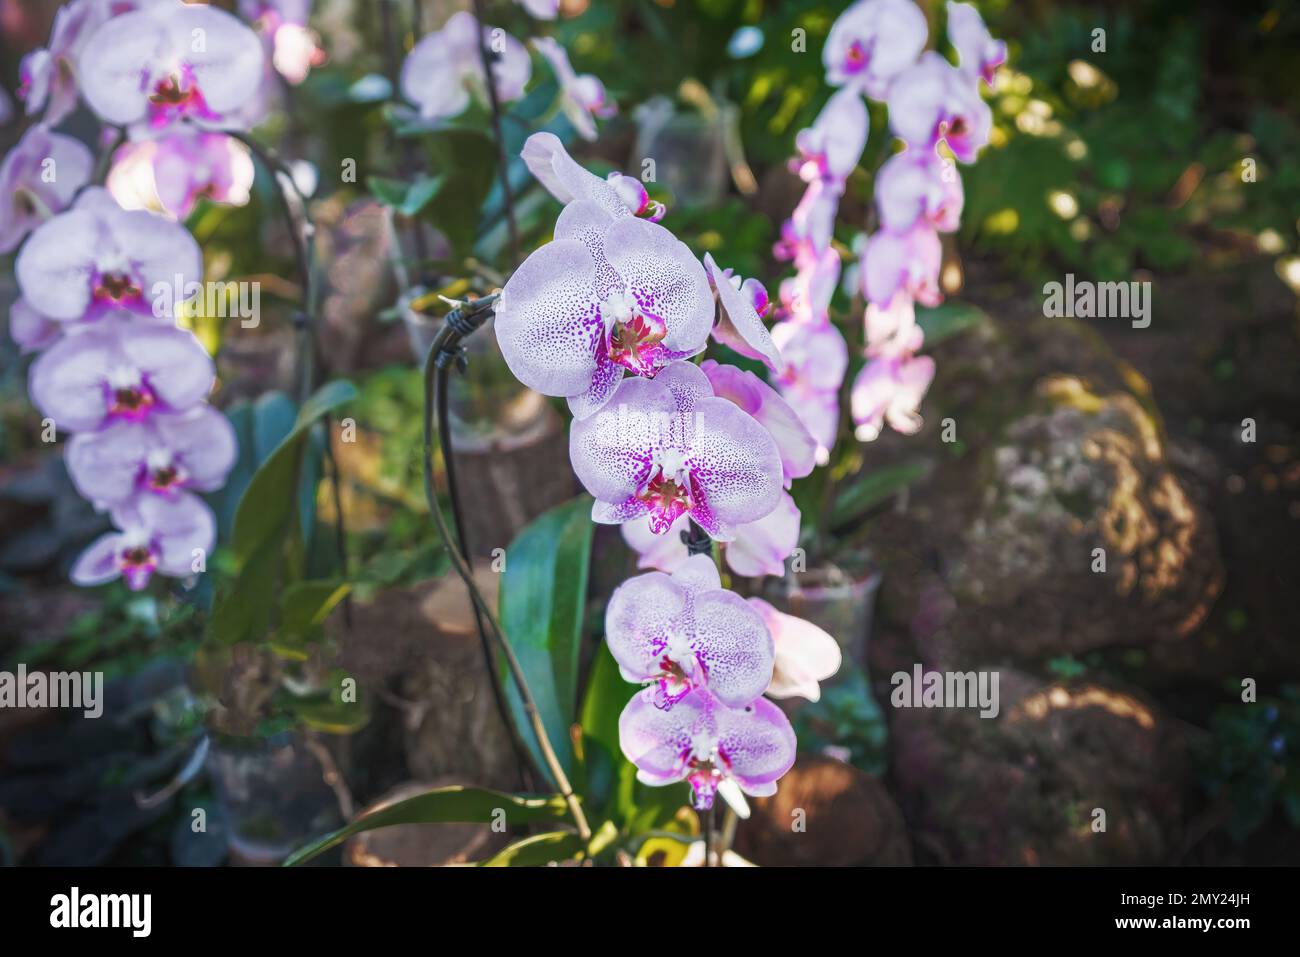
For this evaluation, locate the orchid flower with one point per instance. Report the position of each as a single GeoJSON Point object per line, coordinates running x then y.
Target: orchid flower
{"type": "Point", "coordinates": [816, 359]}
{"type": "Point", "coordinates": [702, 741]}
{"type": "Point", "coordinates": [812, 224]}
{"type": "Point", "coordinates": [169, 62]}
{"type": "Point", "coordinates": [294, 47]}
{"type": "Point", "coordinates": [437, 73]}
{"type": "Point", "coordinates": [609, 295]}
{"type": "Point", "coordinates": [174, 171]}
{"type": "Point", "coordinates": [96, 258]}
{"type": "Point", "coordinates": [795, 445]}
{"type": "Point", "coordinates": [916, 184]}
{"type": "Point", "coordinates": [740, 323]}
{"type": "Point", "coordinates": [805, 654]}
{"type": "Point", "coordinates": [685, 631]}
{"type": "Point", "coordinates": [667, 447]}
{"type": "Point", "coordinates": [38, 178]}
{"type": "Point", "coordinates": [907, 262]}
{"type": "Point", "coordinates": [934, 101]}
{"type": "Point", "coordinates": [831, 147]}
{"type": "Point", "coordinates": [890, 389]}
{"type": "Point", "coordinates": [566, 180]}
{"type": "Point", "coordinates": [872, 42]}
{"type": "Point", "coordinates": [759, 548]}
{"type": "Point", "coordinates": [978, 53]}
{"type": "Point", "coordinates": [47, 75]}
{"type": "Point", "coordinates": [583, 96]}
{"type": "Point", "coordinates": [806, 296]}
{"type": "Point", "coordinates": [169, 452]}
{"type": "Point", "coordinates": [154, 535]}
{"type": "Point", "coordinates": [892, 331]}
{"type": "Point", "coordinates": [119, 370]}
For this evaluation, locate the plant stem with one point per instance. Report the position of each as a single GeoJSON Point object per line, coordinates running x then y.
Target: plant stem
{"type": "Point", "coordinates": [303, 236]}
{"type": "Point", "coordinates": [485, 57]}
{"type": "Point", "coordinates": [459, 323]}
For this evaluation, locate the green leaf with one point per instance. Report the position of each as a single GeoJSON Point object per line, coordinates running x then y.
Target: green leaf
{"type": "Point", "coordinates": [326, 710]}
{"type": "Point", "coordinates": [608, 784]}
{"type": "Point", "coordinates": [538, 850]}
{"type": "Point", "coordinates": [443, 805]}
{"type": "Point", "coordinates": [264, 509]}
{"type": "Point", "coordinates": [948, 319]}
{"type": "Point", "coordinates": [543, 596]}
{"type": "Point", "coordinates": [406, 198]}
{"type": "Point", "coordinates": [306, 605]}
{"type": "Point", "coordinates": [244, 613]}
{"type": "Point", "coordinates": [873, 488]}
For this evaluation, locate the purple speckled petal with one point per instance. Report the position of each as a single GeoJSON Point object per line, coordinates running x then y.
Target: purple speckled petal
{"type": "Point", "coordinates": [757, 744]}
{"type": "Point", "coordinates": [98, 563]}
{"type": "Point", "coordinates": [698, 574]}
{"type": "Point", "coordinates": [616, 513]}
{"type": "Point", "coordinates": [548, 160]}
{"type": "Point", "coordinates": [739, 326]}
{"type": "Point", "coordinates": [176, 365]}
{"type": "Point", "coordinates": [761, 548]}
{"type": "Point", "coordinates": [548, 323]}
{"type": "Point", "coordinates": [733, 644]}
{"type": "Point", "coordinates": [612, 451]}
{"type": "Point", "coordinates": [661, 742]}
{"type": "Point", "coordinates": [666, 279]}
{"type": "Point", "coordinates": [734, 462]}
{"type": "Point", "coordinates": [604, 383]}
{"type": "Point", "coordinates": [643, 615]}
{"type": "Point", "coordinates": [104, 465]}
{"type": "Point", "coordinates": [688, 385]}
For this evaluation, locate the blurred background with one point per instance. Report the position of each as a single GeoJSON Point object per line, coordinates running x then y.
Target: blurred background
{"type": "Point", "coordinates": [1168, 158]}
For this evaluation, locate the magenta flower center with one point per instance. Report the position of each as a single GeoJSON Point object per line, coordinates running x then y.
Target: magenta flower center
{"type": "Point", "coordinates": [177, 95]}
{"type": "Point", "coordinates": [137, 562]}
{"type": "Point", "coordinates": [116, 287]}
{"type": "Point", "coordinates": [667, 499]}
{"type": "Point", "coordinates": [635, 343]}
{"type": "Point", "coordinates": [857, 57]}
{"type": "Point", "coordinates": [129, 395]}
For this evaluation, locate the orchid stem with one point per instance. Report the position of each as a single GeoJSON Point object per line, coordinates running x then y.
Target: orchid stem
{"type": "Point", "coordinates": [303, 236]}
{"type": "Point", "coordinates": [459, 323]}
{"type": "Point", "coordinates": [494, 102]}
